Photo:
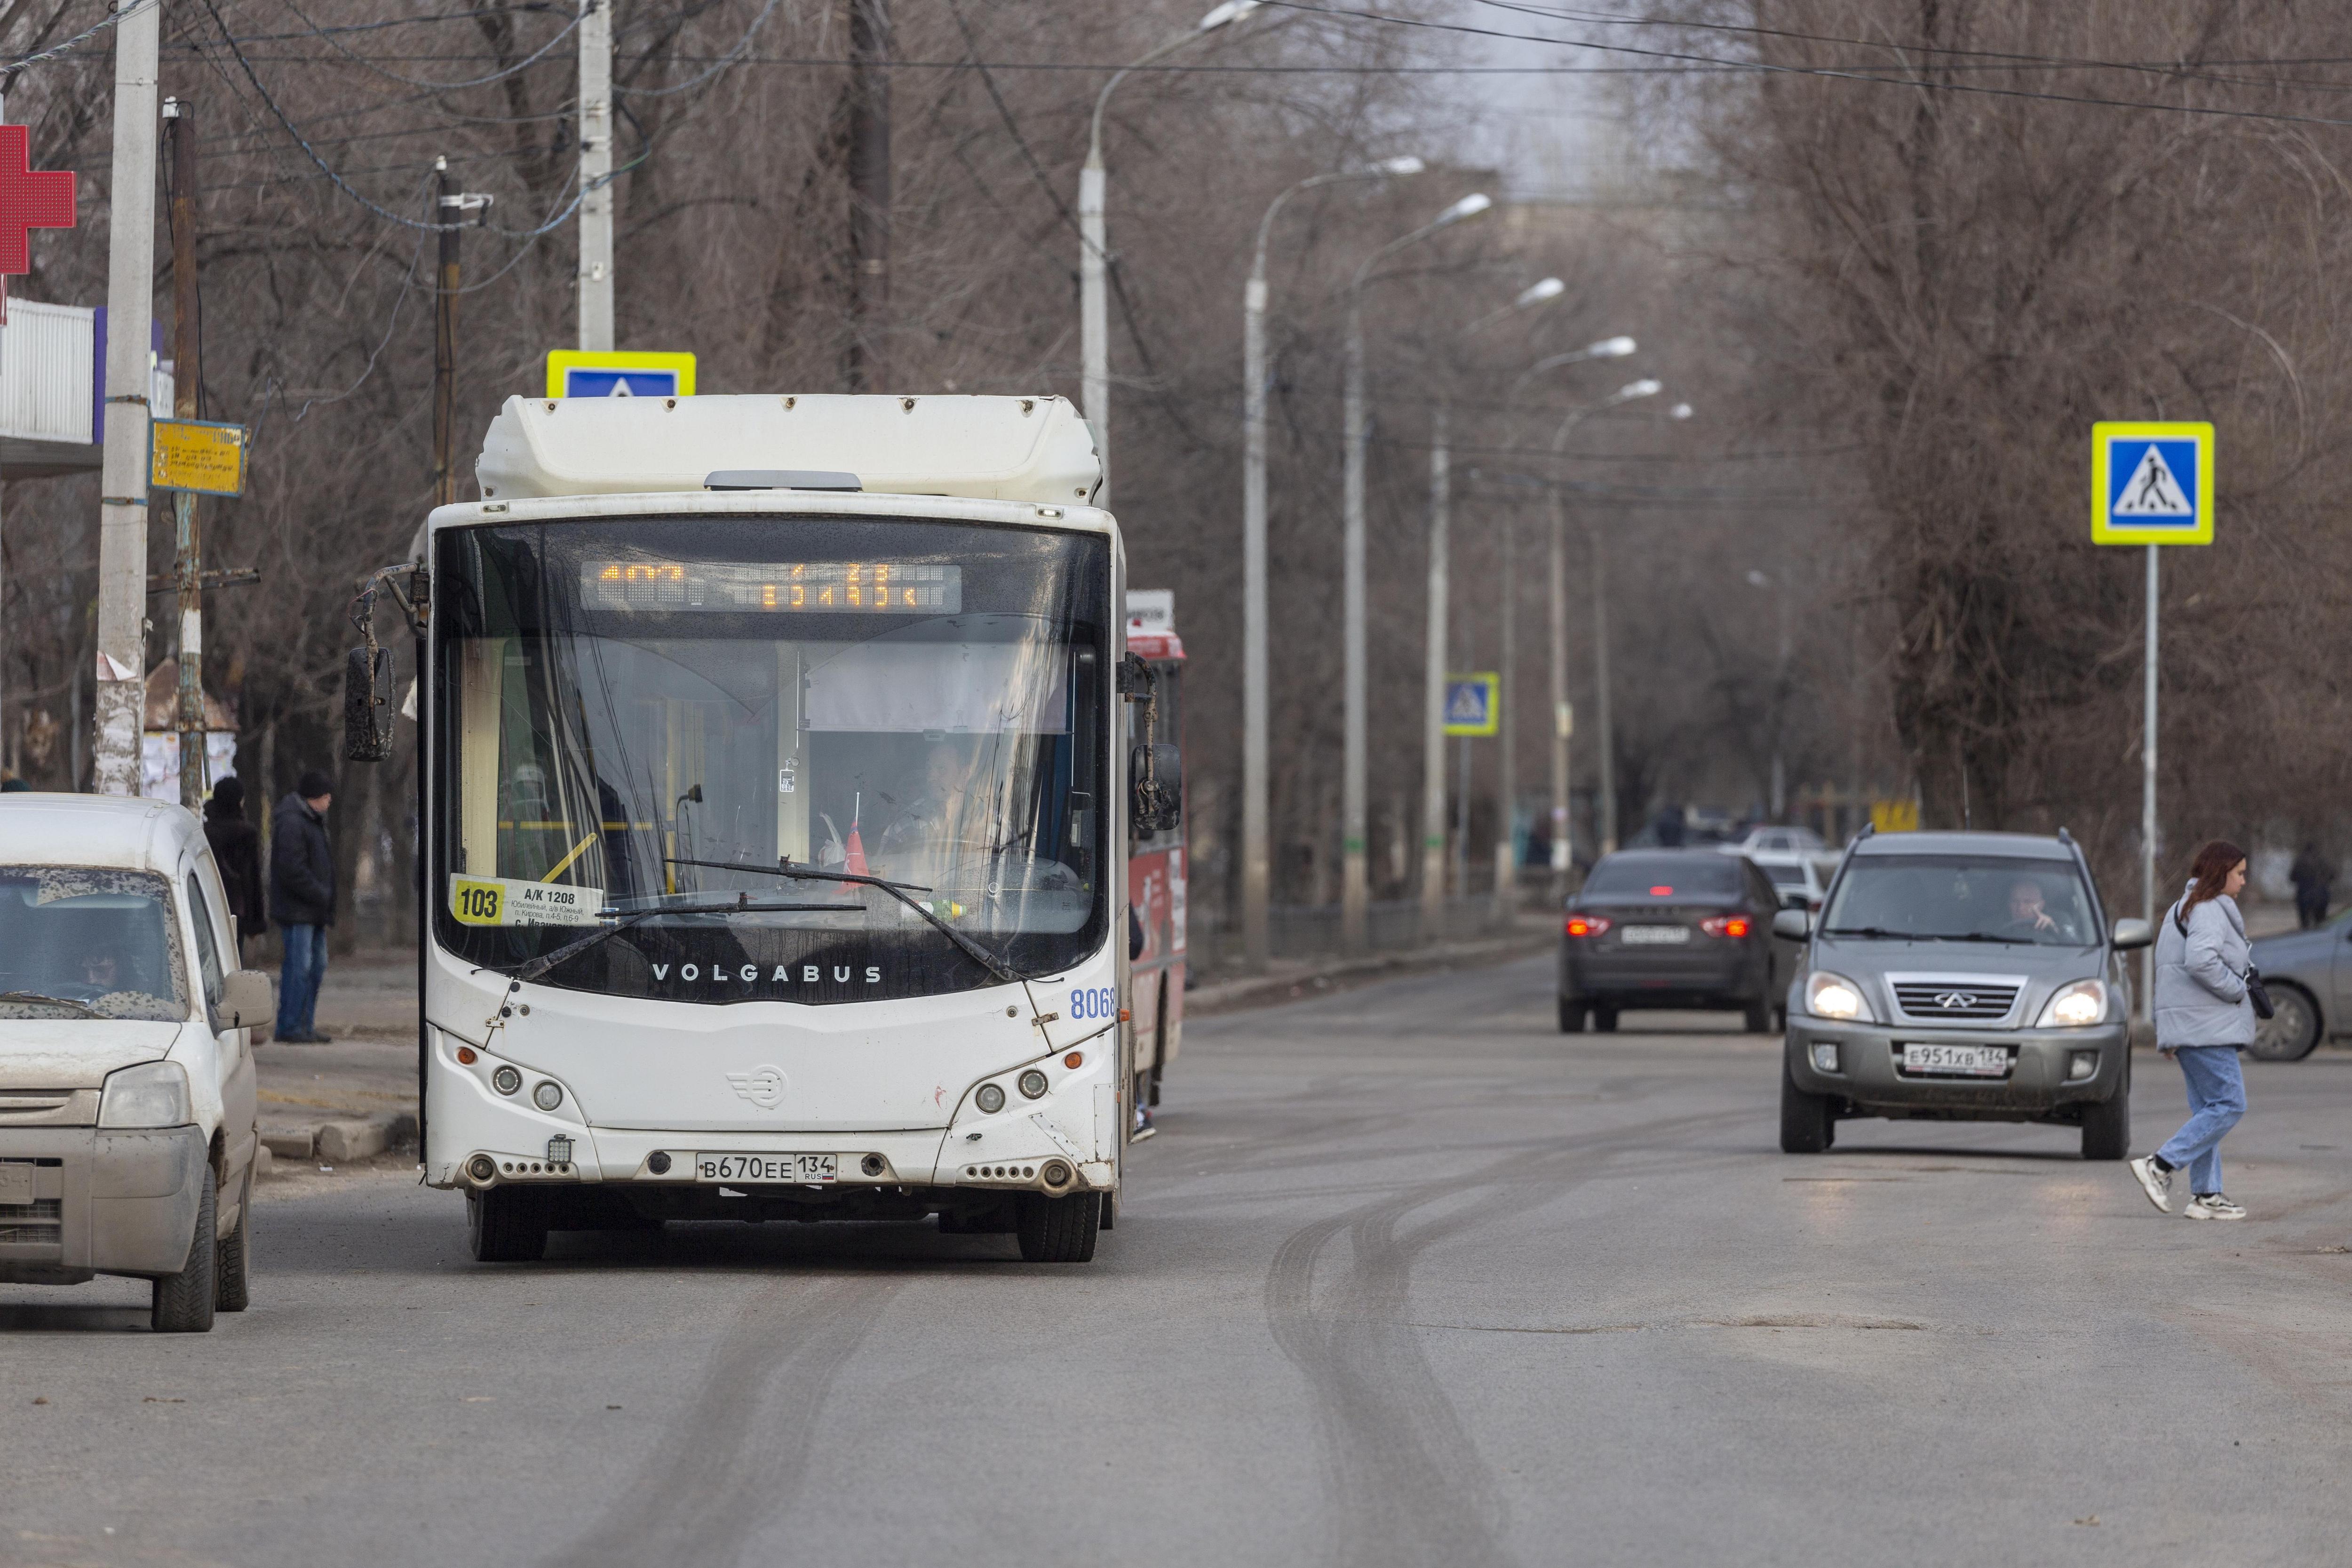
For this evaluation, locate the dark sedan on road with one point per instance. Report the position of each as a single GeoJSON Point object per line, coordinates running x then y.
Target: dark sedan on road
{"type": "Point", "coordinates": [2309, 976]}
{"type": "Point", "coordinates": [1670, 928]}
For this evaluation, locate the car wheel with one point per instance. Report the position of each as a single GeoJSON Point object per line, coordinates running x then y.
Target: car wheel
{"type": "Point", "coordinates": [506, 1225]}
{"type": "Point", "coordinates": [1806, 1126]}
{"type": "Point", "coordinates": [230, 1292]}
{"type": "Point", "coordinates": [2107, 1127]}
{"type": "Point", "coordinates": [1759, 1018]}
{"type": "Point", "coordinates": [1059, 1230]}
{"type": "Point", "coordinates": [2291, 1032]}
{"type": "Point", "coordinates": [183, 1302]}
{"type": "Point", "coordinates": [1604, 1020]}
{"type": "Point", "coordinates": [1571, 1017]}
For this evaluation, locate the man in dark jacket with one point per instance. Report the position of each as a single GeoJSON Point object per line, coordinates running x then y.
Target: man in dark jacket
{"type": "Point", "coordinates": [236, 850]}
{"type": "Point", "coordinates": [303, 901]}
{"type": "Point", "coordinates": [2313, 882]}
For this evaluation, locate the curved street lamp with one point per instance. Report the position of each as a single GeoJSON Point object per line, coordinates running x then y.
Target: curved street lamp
{"type": "Point", "coordinates": [1094, 386]}
{"type": "Point", "coordinates": [1256, 854]}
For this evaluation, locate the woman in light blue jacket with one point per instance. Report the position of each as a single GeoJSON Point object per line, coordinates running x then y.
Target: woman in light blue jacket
{"type": "Point", "coordinates": [2203, 1019]}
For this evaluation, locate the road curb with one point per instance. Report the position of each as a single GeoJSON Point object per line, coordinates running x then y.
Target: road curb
{"type": "Point", "coordinates": [1295, 985]}
{"type": "Point", "coordinates": [340, 1138]}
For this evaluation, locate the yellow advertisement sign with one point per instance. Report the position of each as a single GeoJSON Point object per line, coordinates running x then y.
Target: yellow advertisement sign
{"type": "Point", "coordinates": [197, 455]}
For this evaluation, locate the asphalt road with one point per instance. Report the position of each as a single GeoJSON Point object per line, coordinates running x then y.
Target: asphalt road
{"type": "Point", "coordinates": [1408, 1278]}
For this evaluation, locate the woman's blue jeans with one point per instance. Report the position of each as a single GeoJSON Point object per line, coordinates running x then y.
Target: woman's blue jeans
{"type": "Point", "coordinates": [2217, 1098]}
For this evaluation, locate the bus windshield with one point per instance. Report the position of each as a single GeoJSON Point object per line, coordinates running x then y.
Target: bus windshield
{"type": "Point", "coordinates": [658, 721]}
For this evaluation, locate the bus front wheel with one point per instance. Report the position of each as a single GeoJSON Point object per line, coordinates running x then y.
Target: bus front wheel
{"type": "Point", "coordinates": [1059, 1230]}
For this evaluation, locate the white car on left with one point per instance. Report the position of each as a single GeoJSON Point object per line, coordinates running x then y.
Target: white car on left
{"type": "Point", "coordinates": [127, 1092]}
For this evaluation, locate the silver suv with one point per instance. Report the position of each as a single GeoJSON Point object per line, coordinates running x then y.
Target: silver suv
{"type": "Point", "coordinates": [1961, 977]}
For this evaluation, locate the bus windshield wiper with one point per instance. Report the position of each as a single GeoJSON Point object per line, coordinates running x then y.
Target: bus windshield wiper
{"type": "Point", "coordinates": [742, 905]}
{"type": "Point", "coordinates": [902, 891]}
{"type": "Point", "coordinates": [84, 1008]}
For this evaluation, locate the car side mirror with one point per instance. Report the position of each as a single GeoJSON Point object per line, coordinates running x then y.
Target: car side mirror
{"type": "Point", "coordinates": [367, 705]}
{"type": "Point", "coordinates": [247, 1003]}
{"type": "Point", "coordinates": [1794, 924]}
{"type": "Point", "coordinates": [2132, 933]}
{"type": "Point", "coordinates": [1156, 787]}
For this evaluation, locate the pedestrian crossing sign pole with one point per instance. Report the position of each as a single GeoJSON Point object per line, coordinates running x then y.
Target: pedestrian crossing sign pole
{"type": "Point", "coordinates": [2151, 485]}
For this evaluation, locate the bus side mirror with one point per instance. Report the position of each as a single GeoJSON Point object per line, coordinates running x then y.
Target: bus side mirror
{"type": "Point", "coordinates": [367, 705]}
{"type": "Point", "coordinates": [1795, 925]}
{"type": "Point", "coordinates": [1155, 787]}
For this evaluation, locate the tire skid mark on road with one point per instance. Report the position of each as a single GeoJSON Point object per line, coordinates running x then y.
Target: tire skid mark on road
{"type": "Point", "coordinates": [735, 1458]}
{"type": "Point", "coordinates": [1404, 1482]}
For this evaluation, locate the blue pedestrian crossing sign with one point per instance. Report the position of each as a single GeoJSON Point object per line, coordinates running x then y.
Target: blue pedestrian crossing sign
{"type": "Point", "coordinates": [2151, 483]}
{"type": "Point", "coordinates": [1474, 704]}
{"type": "Point", "coordinates": [591, 373]}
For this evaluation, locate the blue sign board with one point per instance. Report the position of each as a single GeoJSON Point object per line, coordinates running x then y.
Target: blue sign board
{"type": "Point", "coordinates": [2151, 483]}
{"type": "Point", "coordinates": [1472, 704]}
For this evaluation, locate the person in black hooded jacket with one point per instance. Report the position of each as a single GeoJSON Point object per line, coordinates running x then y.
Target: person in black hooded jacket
{"type": "Point", "coordinates": [236, 850]}
{"type": "Point", "coordinates": [303, 901]}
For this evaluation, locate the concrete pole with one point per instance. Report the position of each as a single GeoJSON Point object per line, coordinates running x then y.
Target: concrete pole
{"type": "Point", "coordinates": [1433, 707]}
{"type": "Point", "coordinates": [1607, 741]}
{"type": "Point", "coordinates": [1562, 723]}
{"type": "Point", "coordinates": [2147, 796]}
{"type": "Point", "coordinates": [1506, 756]}
{"type": "Point", "coordinates": [869, 194]}
{"type": "Point", "coordinates": [123, 491]}
{"type": "Point", "coordinates": [447, 209]}
{"type": "Point", "coordinates": [595, 176]}
{"type": "Point", "coordinates": [1256, 858]}
{"type": "Point", "coordinates": [1093, 319]}
{"type": "Point", "coordinates": [188, 559]}
{"type": "Point", "coordinates": [1354, 885]}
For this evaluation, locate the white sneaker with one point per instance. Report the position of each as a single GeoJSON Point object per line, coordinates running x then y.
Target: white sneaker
{"type": "Point", "coordinates": [2156, 1184]}
{"type": "Point", "coordinates": [2213, 1205]}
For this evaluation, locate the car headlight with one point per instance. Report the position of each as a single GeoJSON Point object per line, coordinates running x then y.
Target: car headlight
{"type": "Point", "coordinates": [153, 1094]}
{"type": "Point", "coordinates": [2074, 1006]}
{"type": "Point", "coordinates": [1829, 995]}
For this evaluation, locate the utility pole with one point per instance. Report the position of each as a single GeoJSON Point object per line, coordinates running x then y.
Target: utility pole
{"type": "Point", "coordinates": [180, 129]}
{"type": "Point", "coordinates": [1507, 782]}
{"type": "Point", "coordinates": [1256, 859]}
{"type": "Point", "coordinates": [867, 363]}
{"type": "Point", "coordinates": [1607, 742]}
{"type": "Point", "coordinates": [595, 282]}
{"type": "Point", "coordinates": [1563, 721]}
{"type": "Point", "coordinates": [123, 491]}
{"type": "Point", "coordinates": [1354, 872]}
{"type": "Point", "coordinates": [1433, 707]}
{"type": "Point", "coordinates": [449, 210]}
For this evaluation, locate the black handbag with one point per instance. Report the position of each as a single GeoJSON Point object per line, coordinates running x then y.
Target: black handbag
{"type": "Point", "coordinates": [2257, 992]}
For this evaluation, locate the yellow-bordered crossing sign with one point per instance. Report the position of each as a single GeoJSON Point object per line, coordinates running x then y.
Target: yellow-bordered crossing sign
{"type": "Point", "coordinates": [2151, 483]}
{"type": "Point", "coordinates": [618, 373]}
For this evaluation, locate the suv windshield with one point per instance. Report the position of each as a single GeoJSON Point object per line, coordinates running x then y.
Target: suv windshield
{"type": "Point", "coordinates": [654, 716]}
{"type": "Point", "coordinates": [1963, 898]}
{"type": "Point", "coordinates": [77, 942]}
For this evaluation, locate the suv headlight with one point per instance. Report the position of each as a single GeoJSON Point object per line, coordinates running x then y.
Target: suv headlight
{"type": "Point", "coordinates": [1829, 995]}
{"type": "Point", "coordinates": [153, 1094]}
{"type": "Point", "coordinates": [2075, 1006]}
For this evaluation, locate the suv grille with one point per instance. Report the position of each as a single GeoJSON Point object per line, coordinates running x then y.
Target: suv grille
{"type": "Point", "coordinates": [40, 1223]}
{"type": "Point", "coordinates": [1955, 1001]}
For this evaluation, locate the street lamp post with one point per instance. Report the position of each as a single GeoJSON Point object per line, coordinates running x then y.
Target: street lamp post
{"type": "Point", "coordinates": [1094, 320]}
{"type": "Point", "coordinates": [1354, 888]}
{"type": "Point", "coordinates": [1780, 782]}
{"type": "Point", "coordinates": [1618, 347]}
{"type": "Point", "coordinates": [1257, 853]}
{"type": "Point", "coordinates": [1605, 741]}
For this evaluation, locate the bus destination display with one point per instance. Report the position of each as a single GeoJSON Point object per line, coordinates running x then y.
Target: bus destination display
{"type": "Point", "coordinates": [819, 587]}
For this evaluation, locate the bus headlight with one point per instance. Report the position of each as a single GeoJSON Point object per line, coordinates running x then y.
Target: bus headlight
{"type": "Point", "coordinates": [153, 1094]}
{"type": "Point", "coordinates": [548, 1095]}
{"type": "Point", "coordinates": [991, 1098]}
{"type": "Point", "coordinates": [2075, 1006]}
{"type": "Point", "coordinates": [1032, 1084]}
{"type": "Point", "coordinates": [505, 1080]}
{"type": "Point", "coordinates": [1829, 995]}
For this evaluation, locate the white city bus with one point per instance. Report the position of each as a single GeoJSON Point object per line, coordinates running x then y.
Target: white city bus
{"type": "Point", "coordinates": [775, 842]}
